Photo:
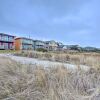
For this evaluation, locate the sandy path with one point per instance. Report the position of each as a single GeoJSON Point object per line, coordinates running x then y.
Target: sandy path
{"type": "Point", "coordinates": [25, 60]}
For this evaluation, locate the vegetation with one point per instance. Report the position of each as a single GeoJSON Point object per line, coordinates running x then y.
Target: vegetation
{"type": "Point", "coordinates": [32, 82]}
{"type": "Point", "coordinates": [8, 51]}
{"type": "Point", "coordinates": [89, 59]}
{"type": "Point", "coordinates": [83, 49]}
{"type": "Point", "coordinates": [41, 50]}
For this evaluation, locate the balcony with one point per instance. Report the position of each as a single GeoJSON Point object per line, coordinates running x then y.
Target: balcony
{"type": "Point", "coordinates": [39, 43]}
{"type": "Point", "coordinates": [26, 42]}
{"type": "Point", "coordinates": [27, 47]}
{"type": "Point", "coordinates": [6, 39]}
{"type": "Point", "coordinates": [6, 47]}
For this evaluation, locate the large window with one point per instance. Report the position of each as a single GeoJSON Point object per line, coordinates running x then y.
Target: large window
{"type": "Point", "coordinates": [26, 47]}
{"type": "Point", "coordinates": [6, 45]}
{"type": "Point", "coordinates": [27, 41]}
{"type": "Point", "coordinates": [6, 38]}
{"type": "Point", "coordinates": [1, 45]}
{"type": "Point", "coordinates": [0, 37]}
{"type": "Point", "coordinates": [10, 38]}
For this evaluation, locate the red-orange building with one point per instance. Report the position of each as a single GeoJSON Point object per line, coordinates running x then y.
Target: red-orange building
{"type": "Point", "coordinates": [23, 43]}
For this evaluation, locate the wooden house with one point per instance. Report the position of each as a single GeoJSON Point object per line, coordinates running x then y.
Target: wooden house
{"type": "Point", "coordinates": [23, 43]}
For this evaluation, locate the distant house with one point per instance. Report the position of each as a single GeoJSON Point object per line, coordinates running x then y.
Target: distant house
{"type": "Point", "coordinates": [6, 41]}
{"type": "Point", "coordinates": [51, 45]}
{"type": "Point", "coordinates": [23, 43]}
{"type": "Point", "coordinates": [90, 49]}
{"type": "Point", "coordinates": [60, 46]}
{"type": "Point", "coordinates": [71, 47]}
{"type": "Point", "coordinates": [38, 44]}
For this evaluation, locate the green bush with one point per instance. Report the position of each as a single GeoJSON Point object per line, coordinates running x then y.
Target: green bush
{"type": "Point", "coordinates": [41, 50]}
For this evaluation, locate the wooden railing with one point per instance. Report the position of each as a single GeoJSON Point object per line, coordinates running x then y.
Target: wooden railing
{"type": "Point", "coordinates": [7, 40]}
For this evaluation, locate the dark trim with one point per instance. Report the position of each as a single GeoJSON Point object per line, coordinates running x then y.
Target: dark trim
{"type": "Point", "coordinates": [7, 34]}
{"type": "Point", "coordinates": [26, 44]}
{"type": "Point", "coordinates": [7, 41]}
{"type": "Point", "coordinates": [23, 38]}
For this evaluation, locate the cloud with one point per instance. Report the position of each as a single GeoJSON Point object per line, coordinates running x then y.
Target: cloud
{"type": "Point", "coordinates": [72, 21]}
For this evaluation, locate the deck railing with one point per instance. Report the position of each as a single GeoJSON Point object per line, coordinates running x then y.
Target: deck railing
{"type": "Point", "coordinates": [8, 40]}
{"type": "Point", "coordinates": [6, 47]}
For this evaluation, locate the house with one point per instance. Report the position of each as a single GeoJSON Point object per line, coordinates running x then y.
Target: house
{"type": "Point", "coordinates": [23, 43]}
{"type": "Point", "coordinates": [90, 49]}
{"type": "Point", "coordinates": [71, 47]}
{"type": "Point", "coordinates": [60, 46]}
{"type": "Point", "coordinates": [6, 41]}
{"type": "Point", "coordinates": [38, 44]}
{"type": "Point", "coordinates": [51, 45]}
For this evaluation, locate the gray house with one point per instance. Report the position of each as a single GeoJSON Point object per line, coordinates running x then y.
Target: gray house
{"type": "Point", "coordinates": [51, 45]}
{"type": "Point", "coordinates": [38, 44]}
{"type": "Point", "coordinates": [60, 46]}
{"type": "Point", "coordinates": [71, 47]}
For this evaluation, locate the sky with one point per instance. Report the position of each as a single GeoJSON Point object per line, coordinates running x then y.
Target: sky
{"type": "Point", "coordinates": [66, 21]}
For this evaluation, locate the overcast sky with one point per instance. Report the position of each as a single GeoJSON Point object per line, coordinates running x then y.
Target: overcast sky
{"type": "Point", "coordinates": [68, 21]}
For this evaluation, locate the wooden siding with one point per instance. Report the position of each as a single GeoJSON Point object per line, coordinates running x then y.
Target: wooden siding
{"type": "Point", "coordinates": [17, 44]}
{"type": "Point", "coordinates": [23, 44]}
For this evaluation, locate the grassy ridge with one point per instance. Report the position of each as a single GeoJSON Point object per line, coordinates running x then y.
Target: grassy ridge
{"type": "Point", "coordinates": [89, 59]}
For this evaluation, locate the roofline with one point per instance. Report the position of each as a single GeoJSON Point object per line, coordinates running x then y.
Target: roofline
{"type": "Point", "coordinates": [51, 41]}
{"type": "Point", "coordinates": [7, 34]}
{"type": "Point", "coordinates": [22, 38]}
{"type": "Point", "coordinates": [38, 40]}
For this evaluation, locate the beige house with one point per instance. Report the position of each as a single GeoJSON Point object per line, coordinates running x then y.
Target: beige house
{"type": "Point", "coordinates": [51, 45]}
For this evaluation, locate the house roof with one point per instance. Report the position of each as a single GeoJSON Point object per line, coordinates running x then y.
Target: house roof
{"type": "Point", "coordinates": [7, 34]}
{"type": "Point", "coordinates": [38, 41]}
{"type": "Point", "coordinates": [23, 38]}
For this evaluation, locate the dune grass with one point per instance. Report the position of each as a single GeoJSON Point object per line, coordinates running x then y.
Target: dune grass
{"type": "Point", "coordinates": [89, 59]}
{"type": "Point", "coordinates": [32, 82]}
{"type": "Point", "coordinates": [8, 51]}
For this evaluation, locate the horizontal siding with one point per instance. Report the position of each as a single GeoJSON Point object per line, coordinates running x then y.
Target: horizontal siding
{"type": "Point", "coordinates": [17, 44]}
{"type": "Point", "coordinates": [5, 45]}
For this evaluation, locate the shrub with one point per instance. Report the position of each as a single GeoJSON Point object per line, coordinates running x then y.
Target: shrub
{"type": "Point", "coordinates": [41, 50]}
